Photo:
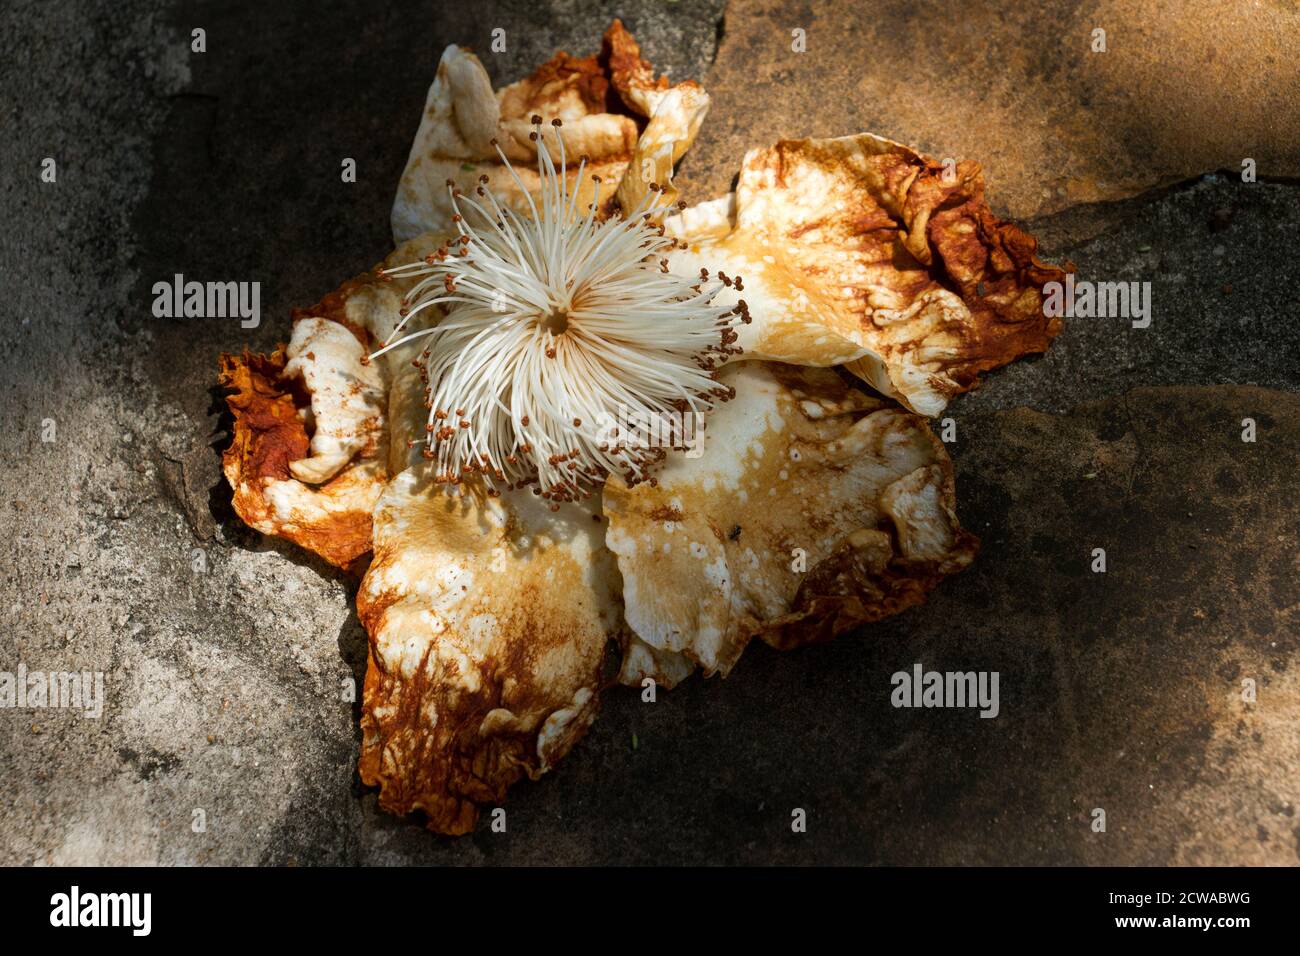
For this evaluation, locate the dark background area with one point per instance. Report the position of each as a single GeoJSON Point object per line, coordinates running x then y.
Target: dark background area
{"type": "Point", "coordinates": [224, 651]}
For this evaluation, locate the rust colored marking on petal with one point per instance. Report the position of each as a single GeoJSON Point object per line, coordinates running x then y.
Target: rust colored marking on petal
{"type": "Point", "coordinates": [333, 306]}
{"type": "Point", "coordinates": [562, 73]}
{"type": "Point", "coordinates": [331, 520]}
{"type": "Point", "coordinates": [629, 73]}
{"type": "Point", "coordinates": [840, 508]}
{"type": "Point", "coordinates": [861, 251]}
{"type": "Point", "coordinates": [268, 432]}
{"type": "Point", "coordinates": [465, 122]}
{"type": "Point", "coordinates": [489, 621]}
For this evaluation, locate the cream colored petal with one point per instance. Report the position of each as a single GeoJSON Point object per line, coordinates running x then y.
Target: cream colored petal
{"type": "Point", "coordinates": [462, 115]}
{"type": "Point", "coordinates": [812, 509]}
{"type": "Point", "coordinates": [860, 251]}
{"type": "Point", "coordinates": [642, 661]}
{"type": "Point", "coordinates": [347, 396]}
{"type": "Point", "coordinates": [488, 622]}
{"type": "Point", "coordinates": [676, 119]}
{"type": "Point", "coordinates": [372, 306]}
{"type": "Point", "coordinates": [704, 221]}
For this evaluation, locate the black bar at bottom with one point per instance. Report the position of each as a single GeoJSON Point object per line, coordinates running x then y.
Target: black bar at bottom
{"type": "Point", "coordinates": [338, 906]}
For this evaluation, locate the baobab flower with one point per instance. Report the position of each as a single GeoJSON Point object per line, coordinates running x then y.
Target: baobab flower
{"type": "Point", "coordinates": [475, 414]}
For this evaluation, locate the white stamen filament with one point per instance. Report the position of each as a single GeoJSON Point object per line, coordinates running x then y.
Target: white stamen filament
{"type": "Point", "coordinates": [559, 325]}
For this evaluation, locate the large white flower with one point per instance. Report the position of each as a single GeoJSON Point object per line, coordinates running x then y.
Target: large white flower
{"type": "Point", "coordinates": [548, 308]}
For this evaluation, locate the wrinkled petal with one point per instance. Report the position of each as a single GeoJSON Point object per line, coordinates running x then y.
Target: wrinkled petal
{"type": "Point", "coordinates": [811, 509]}
{"type": "Point", "coordinates": [676, 119]}
{"type": "Point", "coordinates": [642, 662]}
{"type": "Point", "coordinates": [461, 117]}
{"type": "Point", "coordinates": [311, 451]}
{"type": "Point", "coordinates": [331, 517]}
{"type": "Point", "coordinates": [632, 76]}
{"type": "Point", "coordinates": [862, 252]}
{"type": "Point", "coordinates": [488, 622]}
{"type": "Point", "coordinates": [347, 397]}
{"type": "Point", "coordinates": [371, 306]}
{"type": "Point", "coordinates": [595, 98]}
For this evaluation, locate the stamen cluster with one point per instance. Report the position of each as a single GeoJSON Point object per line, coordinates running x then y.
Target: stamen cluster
{"type": "Point", "coordinates": [554, 326]}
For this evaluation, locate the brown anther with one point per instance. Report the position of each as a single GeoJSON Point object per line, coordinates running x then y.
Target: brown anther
{"type": "Point", "coordinates": [577, 423]}
{"type": "Point", "coordinates": [535, 120]}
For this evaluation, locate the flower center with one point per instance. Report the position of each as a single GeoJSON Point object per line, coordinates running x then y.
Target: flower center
{"type": "Point", "coordinates": [553, 330]}
{"type": "Point", "coordinates": [557, 323]}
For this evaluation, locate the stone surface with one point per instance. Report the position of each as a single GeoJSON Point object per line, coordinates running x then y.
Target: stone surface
{"type": "Point", "coordinates": [225, 654]}
{"type": "Point", "coordinates": [1182, 88]}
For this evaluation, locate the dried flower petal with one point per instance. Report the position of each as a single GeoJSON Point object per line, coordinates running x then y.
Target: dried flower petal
{"type": "Point", "coordinates": [462, 115]}
{"type": "Point", "coordinates": [860, 251]}
{"type": "Point", "coordinates": [488, 621]}
{"type": "Point", "coordinates": [332, 518]}
{"type": "Point", "coordinates": [812, 508]}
